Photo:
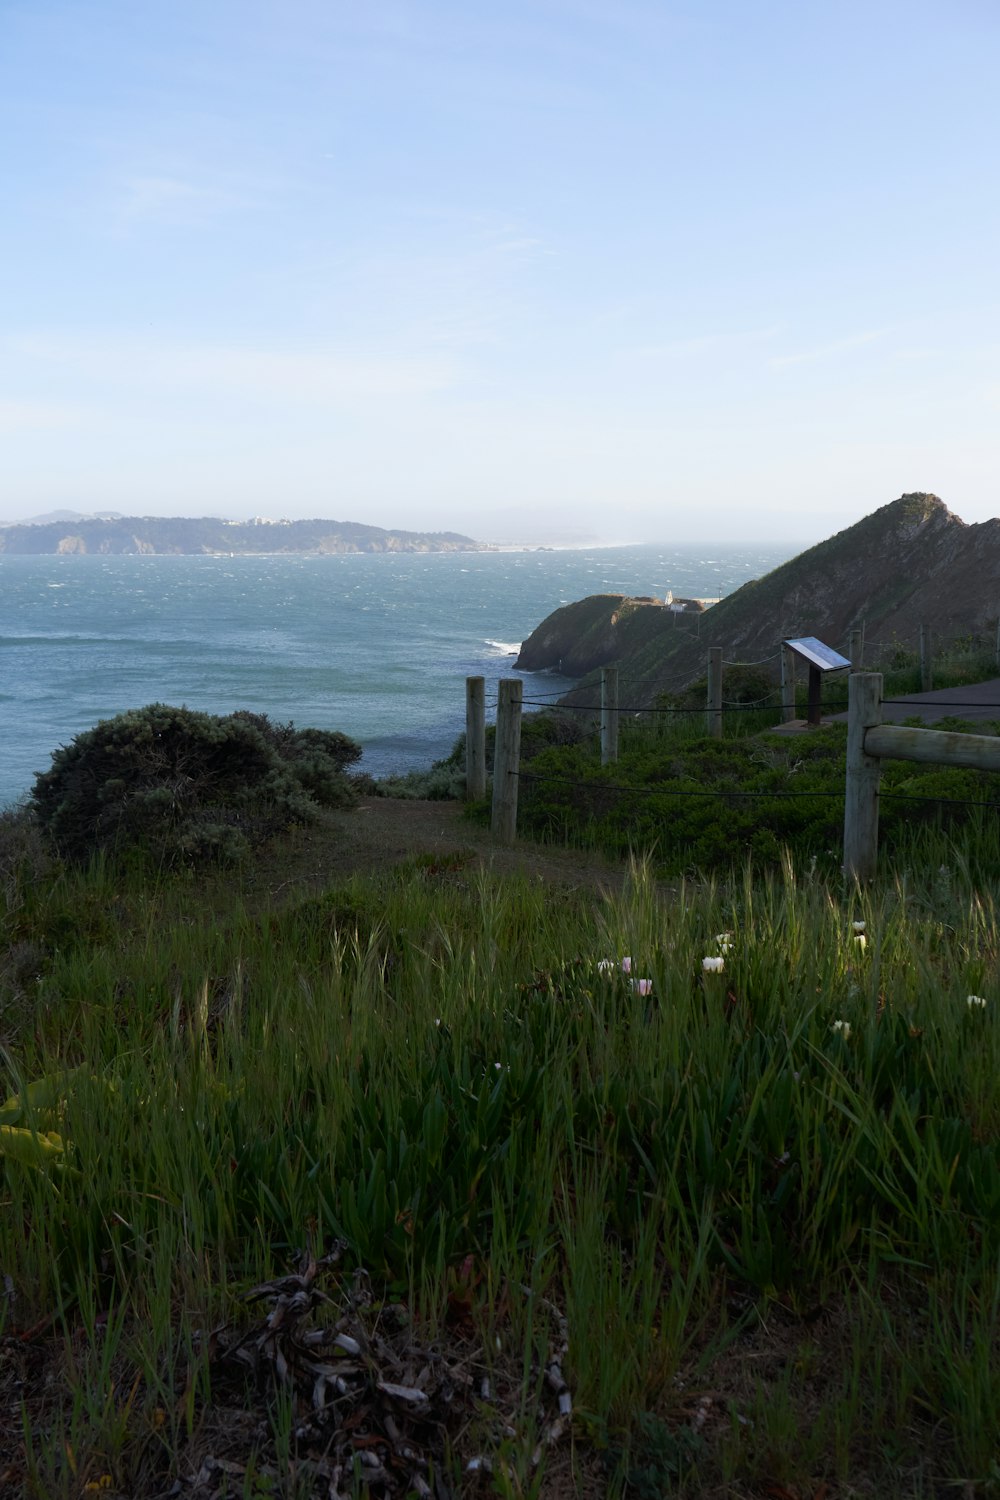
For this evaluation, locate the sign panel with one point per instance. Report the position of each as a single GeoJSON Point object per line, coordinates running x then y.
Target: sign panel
{"type": "Point", "coordinates": [818, 655]}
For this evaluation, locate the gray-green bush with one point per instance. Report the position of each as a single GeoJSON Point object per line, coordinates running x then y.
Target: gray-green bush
{"type": "Point", "coordinates": [184, 786]}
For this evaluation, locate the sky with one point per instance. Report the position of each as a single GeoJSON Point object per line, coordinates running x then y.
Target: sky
{"type": "Point", "coordinates": [616, 270]}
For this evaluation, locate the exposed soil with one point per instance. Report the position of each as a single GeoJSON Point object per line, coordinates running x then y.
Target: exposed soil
{"type": "Point", "coordinates": [383, 832]}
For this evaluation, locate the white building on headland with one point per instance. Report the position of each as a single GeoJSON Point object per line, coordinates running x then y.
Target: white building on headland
{"type": "Point", "coordinates": [686, 606]}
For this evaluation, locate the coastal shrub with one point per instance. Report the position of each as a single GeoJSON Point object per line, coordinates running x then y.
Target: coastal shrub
{"type": "Point", "coordinates": [185, 786]}
{"type": "Point", "coordinates": [317, 758]}
{"type": "Point", "coordinates": [25, 859]}
{"type": "Point", "coordinates": [554, 727]}
{"type": "Point", "coordinates": [709, 804]}
{"type": "Point", "coordinates": [740, 684]}
{"type": "Point", "coordinates": [445, 781]}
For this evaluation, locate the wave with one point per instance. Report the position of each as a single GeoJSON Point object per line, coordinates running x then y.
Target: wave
{"type": "Point", "coordinates": [504, 648]}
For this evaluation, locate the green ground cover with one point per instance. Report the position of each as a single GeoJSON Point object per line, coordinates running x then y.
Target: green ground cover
{"type": "Point", "coordinates": [753, 1215]}
{"type": "Point", "coordinates": [442, 1182]}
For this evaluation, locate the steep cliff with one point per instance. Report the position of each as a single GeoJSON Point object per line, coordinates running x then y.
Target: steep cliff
{"type": "Point", "coordinates": [593, 632]}
{"type": "Point", "coordinates": [910, 563]}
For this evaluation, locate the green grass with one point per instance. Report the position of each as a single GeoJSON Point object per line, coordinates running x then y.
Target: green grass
{"type": "Point", "coordinates": [776, 1244]}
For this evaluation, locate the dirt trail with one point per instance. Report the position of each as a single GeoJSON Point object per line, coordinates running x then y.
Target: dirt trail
{"type": "Point", "coordinates": [381, 832]}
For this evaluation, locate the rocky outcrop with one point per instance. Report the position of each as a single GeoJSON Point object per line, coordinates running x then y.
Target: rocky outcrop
{"type": "Point", "coordinates": [910, 563]}
{"type": "Point", "coordinates": [594, 631]}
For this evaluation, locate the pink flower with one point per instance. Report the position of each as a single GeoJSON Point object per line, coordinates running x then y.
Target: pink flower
{"type": "Point", "coordinates": [642, 986]}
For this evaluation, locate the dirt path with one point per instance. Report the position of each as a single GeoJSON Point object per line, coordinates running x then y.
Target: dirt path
{"type": "Point", "coordinates": [383, 832]}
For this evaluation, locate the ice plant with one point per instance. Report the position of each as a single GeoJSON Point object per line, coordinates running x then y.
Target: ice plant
{"type": "Point", "coordinates": [713, 965]}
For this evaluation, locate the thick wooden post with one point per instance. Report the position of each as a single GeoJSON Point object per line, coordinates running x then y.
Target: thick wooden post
{"type": "Point", "coordinates": [787, 684]}
{"type": "Point", "coordinates": [926, 668]}
{"type": "Point", "coordinates": [507, 760]}
{"type": "Point", "coordinates": [609, 715]}
{"type": "Point", "coordinates": [713, 717]}
{"type": "Point", "coordinates": [475, 739]}
{"type": "Point", "coordinates": [855, 650]}
{"type": "Point", "coordinates": [864, 711]}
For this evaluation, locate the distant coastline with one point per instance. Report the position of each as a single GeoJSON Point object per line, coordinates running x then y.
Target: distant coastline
{"type": "Point", "coordinates": [186, 536]}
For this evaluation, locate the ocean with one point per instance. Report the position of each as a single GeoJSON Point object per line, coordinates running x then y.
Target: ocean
{"type": "Point", "coordinates": [376, 646]}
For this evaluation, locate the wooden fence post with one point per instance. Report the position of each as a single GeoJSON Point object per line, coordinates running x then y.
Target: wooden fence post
{"type": "Point", "coordinates": [787, 684]}
{"type": "Point", "coordinates": [855, 650]}
{"type": "Point", "coordinates": [609, 715]}
{"type": "Point", "coordinates": [926, 667]}
{"type": "Point", "coordinates": [713, 716]}
{"type": "Point", "coordinates": [864, 710]}
{"type": "Point", "coordinates": [475, 739]}
{"type": "Point", "coordinates": [507, 760]}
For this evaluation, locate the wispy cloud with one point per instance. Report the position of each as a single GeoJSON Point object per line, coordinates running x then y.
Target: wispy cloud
{"type": "Point", "coordinates": [18, 416]}
{"type": "Point", "coordinates": [185, 194]}
{"type": "Point", "coordinates": [159, 197]}
{"type": "Point", "coordinates": [314, 376]}
{"type": "Point", "coordinates": [647, 22]}
{"type": "Point", "coordinates": [699, 344]}
{"type": "Point", "coordinates": [827, 351]}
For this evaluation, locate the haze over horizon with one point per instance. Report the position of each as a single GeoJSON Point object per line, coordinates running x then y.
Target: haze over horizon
{"type": "Point", "coordinates": [573, 269]}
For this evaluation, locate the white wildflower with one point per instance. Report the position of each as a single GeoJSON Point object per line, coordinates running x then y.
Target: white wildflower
{"type": "Point", "coordinates": [608, 966]}
{"type": "Point", "coordinates": [844, 1027]}
{"type": "Point", "coordinates": [861, 940]}
{"type": "Point", "coordinates": [858, 926]}
{"type": "Point", "coordinates": [713, 965]}
{"type": "Point", "coordinates": [975, 1002]}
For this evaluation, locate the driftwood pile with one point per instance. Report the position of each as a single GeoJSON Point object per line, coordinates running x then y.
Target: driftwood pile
{"type": "Point", "coordinates": [357, 1403]}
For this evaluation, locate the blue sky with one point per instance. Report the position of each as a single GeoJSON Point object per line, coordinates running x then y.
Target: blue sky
{"type": "Point", "coordinates": [545, 269]}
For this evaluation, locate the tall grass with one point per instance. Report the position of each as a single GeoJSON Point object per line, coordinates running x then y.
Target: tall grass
{"type": "Point", "coordinates": [766, 1199]}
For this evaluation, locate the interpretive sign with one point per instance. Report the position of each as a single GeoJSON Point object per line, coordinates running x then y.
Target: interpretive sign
{"type": "Point", "coordinates": [820, 658]}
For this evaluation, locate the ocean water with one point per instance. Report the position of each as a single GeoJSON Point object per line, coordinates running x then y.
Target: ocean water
{"type": "Point", "coordinates": [378, 647]}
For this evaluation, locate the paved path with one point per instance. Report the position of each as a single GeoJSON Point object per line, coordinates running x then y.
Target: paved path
{"type": "Point", "coordinates": [980, 700]}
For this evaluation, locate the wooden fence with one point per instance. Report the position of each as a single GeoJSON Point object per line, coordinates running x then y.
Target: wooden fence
{"type": "Point", "coordinates": [869, 742]}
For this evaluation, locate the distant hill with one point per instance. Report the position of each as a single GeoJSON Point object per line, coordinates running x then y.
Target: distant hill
{"type": "Point", "coordinates": [911, 562]}
{"type": "Point", "coordinates": [116, 535]}
{"type": "Point", "coordinates": [66, 515]}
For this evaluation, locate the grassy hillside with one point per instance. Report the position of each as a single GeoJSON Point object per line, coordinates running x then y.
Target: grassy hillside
{"type": "Point", "coordinates": [435, 1181]}
{"type": "Point", "coordinates": [911, 563]}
